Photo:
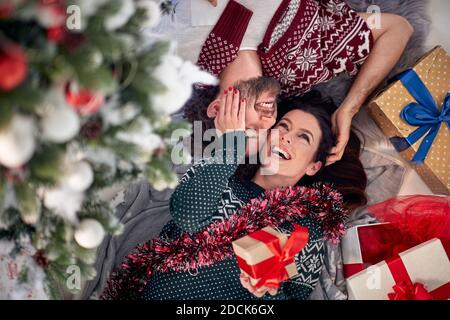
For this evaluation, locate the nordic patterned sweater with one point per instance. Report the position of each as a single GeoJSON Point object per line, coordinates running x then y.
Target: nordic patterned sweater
{"type": "Point", "coordinates": [209, 191]}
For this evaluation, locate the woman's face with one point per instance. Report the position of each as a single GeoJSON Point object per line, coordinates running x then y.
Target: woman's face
{"type": "Point", "coordinates": [292, 146]}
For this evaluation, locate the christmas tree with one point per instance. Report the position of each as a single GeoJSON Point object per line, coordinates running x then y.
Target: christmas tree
{"type": "Point", "coordinates": [83, 105]}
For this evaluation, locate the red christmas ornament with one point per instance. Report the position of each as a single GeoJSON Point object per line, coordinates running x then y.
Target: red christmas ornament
{"type": "Point", "coordinates": [13, 67]}
{"type": "Point", "coordinates": [6, 9]}
{"type": "Point", "coordinates": [51, 13]}
{"type": "Point", "coordinates": [83, 100]}
{"type": "Point", "coordinates": [56, 34]}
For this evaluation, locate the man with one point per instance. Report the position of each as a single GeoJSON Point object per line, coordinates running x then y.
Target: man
{"type": "Point", "coordinates": [260, 94]}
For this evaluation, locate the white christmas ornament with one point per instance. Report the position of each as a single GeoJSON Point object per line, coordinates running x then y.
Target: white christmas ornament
{"type": "Point", "coordinates": [64, 202]}
{"type": "Point", "coordinates": [59, 123]}
{"type": "Point", "coordinates": [153, 13]}
{"type": "Point", "coordinates": [78, 176]}
{"type": "Point", "coordinates": [120, 18]}
{"type": "Point", "coordinates": [89, 233]}
{"type": "Point", "coordinates": [17, 141]}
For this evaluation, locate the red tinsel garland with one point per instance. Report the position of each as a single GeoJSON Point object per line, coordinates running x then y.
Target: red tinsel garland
{"type": "Point", "coordinates": [213, 243]}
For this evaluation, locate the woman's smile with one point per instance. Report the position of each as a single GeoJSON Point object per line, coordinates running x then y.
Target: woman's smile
{"type": "Point", "coordinates": [280, 153]}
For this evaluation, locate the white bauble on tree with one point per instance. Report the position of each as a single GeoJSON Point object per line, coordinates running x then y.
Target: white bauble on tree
{"type": "Point", "coordinates": [17, 141]}
{"type": "Point", "coordinates": [78, 176]}
{"type": "Point", "coordinates": [59, 123]}
{"type": "Point", "coordinates": [89, 233]}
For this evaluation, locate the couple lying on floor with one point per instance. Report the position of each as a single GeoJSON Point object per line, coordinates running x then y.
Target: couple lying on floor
{"type": "Point", "coordinates": [309, 141]}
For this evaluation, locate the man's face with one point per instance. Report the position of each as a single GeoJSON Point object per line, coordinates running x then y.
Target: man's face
{"type": "Point", "coordinates": [260, 116]}
{"type": "Point", "coordinates": [261, 95]}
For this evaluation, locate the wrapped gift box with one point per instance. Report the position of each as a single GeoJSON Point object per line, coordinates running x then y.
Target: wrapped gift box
{"type": "Point", "coordinates": [424, 265]}
{"type": "Point", "coordinates": [256, 259]}
{"type": "Point", "coordinates": [434, 71]}
{"type": "Point", "coordinates": [365, 245]}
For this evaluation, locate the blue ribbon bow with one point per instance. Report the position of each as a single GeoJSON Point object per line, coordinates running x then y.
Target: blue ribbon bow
{"type": "Point", "coordinates": [423, 113]}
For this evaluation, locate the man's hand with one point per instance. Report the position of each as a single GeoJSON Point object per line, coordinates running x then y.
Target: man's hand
{"type": "Point", "coordinates": [341, 122]}
{"type": "Point", "coordinates": [245, 281]}
{"type": "Point", "coordinates": [231, 115]}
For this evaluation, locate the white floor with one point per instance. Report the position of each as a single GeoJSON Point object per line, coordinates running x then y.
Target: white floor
{"type": "Point", "coordinates": [440, 28]}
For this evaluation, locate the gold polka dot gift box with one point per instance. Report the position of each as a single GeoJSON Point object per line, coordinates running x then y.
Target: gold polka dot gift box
{"type": "Point", "coordinates": [414, 112]}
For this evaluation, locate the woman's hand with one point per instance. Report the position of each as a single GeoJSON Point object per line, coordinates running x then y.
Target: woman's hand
{"type": "Point", "coordinates": [245, 281]}
{"type": "Point", "coordinates": [341, 122]}
{"type": "Point", "coordinates": [231, 115]}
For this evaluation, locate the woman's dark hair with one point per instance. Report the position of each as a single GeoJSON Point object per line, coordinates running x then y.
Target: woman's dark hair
{"type": "Point", "coordinates": [347, 175]}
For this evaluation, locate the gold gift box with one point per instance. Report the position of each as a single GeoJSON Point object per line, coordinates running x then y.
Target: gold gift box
{"type": "Point", "coordinates": [434, 70]}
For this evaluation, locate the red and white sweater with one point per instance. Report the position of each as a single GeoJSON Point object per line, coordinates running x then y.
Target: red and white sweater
{"type": "Point", "coordinates": [306, 43]}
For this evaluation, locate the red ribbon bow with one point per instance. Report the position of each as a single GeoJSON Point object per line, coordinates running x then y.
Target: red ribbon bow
{"type": "Point", "coordinates": [273, 271]}
{"type": "Point", "coordinates": [405, 289]}
{"type": "Point", "coordinates": [410, 291]}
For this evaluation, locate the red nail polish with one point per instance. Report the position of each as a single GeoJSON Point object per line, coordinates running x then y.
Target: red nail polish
{"type": "Point", "coordinates": [225, 91]}
{"type": "Point", "coordinates": [230, 89]}
{"type": "Point", "coordinates": [236, 91]}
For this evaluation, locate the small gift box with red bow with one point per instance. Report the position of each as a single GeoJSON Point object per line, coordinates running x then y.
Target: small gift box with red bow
{"type": "Point", "coordinates": [419, 273]}
{"type": "Point", "coordinates": [267, 255]}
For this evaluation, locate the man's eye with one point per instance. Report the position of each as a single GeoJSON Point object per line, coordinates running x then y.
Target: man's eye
{"type": "Point", "coordinates": [283, 125]}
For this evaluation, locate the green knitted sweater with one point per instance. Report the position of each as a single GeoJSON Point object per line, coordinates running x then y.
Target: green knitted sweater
{"type": "Point", "coordinates": [209, 191]}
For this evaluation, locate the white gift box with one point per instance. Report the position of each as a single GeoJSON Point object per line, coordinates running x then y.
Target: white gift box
{"type": "Point", "coordinates": [426, 263]}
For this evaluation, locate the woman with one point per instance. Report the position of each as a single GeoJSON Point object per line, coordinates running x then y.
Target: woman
{"type": "Point", "coordinates": [213, 191]}
{"type": "Point", "coordinates": [301, 44]}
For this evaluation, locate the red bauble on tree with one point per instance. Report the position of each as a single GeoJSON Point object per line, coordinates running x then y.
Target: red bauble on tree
{"type": "Point", "coordinates": [6, 9]}
{"type": "Point", "coordinates": [85, 101]}
{"type": "Point", "coordinates": [13, 66]}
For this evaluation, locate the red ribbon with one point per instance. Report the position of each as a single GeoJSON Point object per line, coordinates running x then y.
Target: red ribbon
{"type": "Point", "coordinates": [272, 271]}
{"type": "Point", "coordinates": [410, 291]}
{"type": "Point", "coordinates": [405, 289]}
{"type": "Point", "coordinates": [353, 268]}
